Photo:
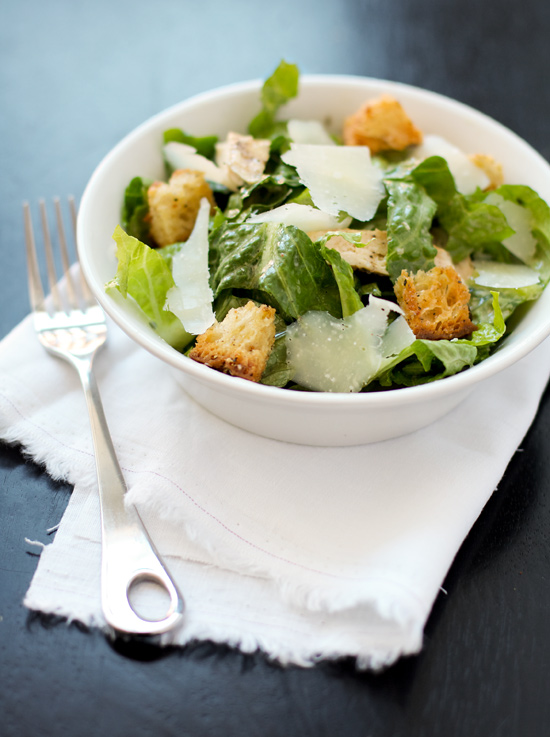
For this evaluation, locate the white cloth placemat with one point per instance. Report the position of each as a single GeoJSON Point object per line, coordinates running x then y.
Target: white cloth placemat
{"type": "Point", "coordinates": [303, 552]}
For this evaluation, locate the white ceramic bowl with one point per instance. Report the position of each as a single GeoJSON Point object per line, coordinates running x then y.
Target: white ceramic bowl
{"type": "Point", "coordinates": [304, 417]}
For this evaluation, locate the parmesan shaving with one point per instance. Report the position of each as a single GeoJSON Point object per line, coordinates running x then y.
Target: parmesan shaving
{"type": "Point", "coordinates": [309, 131]}
{"type": "Point", "coordinates": [522, 243]}
{"type": "Point", "coordinates": [327, 354]}
{"type": "Point", "coordinates": [339, 178]}
{"type": "Point", "coordinates": [496, 275]}
{"type": "Point", "coordinates": [305, 217]}
{"type": "Point", "coordinates": [191, 297]}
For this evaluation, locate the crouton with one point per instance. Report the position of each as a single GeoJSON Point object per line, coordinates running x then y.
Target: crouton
{"type": "Point", "coordinates": [464, 268]}
{"type": "Point", "coordinates": [369, 257]}
{"type": "Point", "coordinates": [239, 345]}
{"type": "Point", "coordinates": [435, 303]}
{"type": "Point", "coordinates": [244, 157]}
{"type": "Point", "coordinates": [491, 167]}
{"type": "Point", "coordinates": [382, 125]}
{"type": "Point", "coordinates": [173, 206]}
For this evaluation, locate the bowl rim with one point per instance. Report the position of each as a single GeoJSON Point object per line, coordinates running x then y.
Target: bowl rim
{"type": "Point", "coordinates": [466, 379]}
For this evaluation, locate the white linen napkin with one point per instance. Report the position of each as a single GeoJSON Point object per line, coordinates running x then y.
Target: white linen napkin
{"type": "Point", "coordinates": [303, 552]}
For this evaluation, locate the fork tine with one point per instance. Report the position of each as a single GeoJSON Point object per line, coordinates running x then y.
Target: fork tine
{"type": "Point", "coordinates": [50, 266]}
{"type": "Point", "coordinates": [71, 291]}
{"type": "Point", "coordinates": [36, 293]}
{"type": "Point", "coordinates": [88, 296]}
{"type": "Point", "coordinates": [72, 208]}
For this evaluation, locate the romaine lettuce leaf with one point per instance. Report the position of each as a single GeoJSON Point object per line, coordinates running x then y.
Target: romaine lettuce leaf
{"type": "Point", "coordinates": [434, 175]}
{"type": "Point", "coordinates": [269, 192]}
{"type": "Point", "coordinates": [204, 145]}
{"type": "Point", "coordinates": [135, 208]}
{"type": "Point", "coordinates": [301, 197]}
{"type": "Point", "coordinates": [343, 273]}
{"type": "Point", "coordinates": [144, 275]}
{"type": "Point", "coordinates": [472, 225]}
{"type": "Point", "coordinates": [425, 361]}
{"type": "Point", "coordinates": [280, 264]}
{"type": "Point", "coordinates": [278, 89]}
{"type": "Point", "coordinates": [509, 299]}
{"type": "Point", "coordinates": [410, 215]}
{"type": "Point", "coordinates": [429, 360]}
{"type": "Point", "coordinates": [487, 332]}
{"type": "Point", "coordinates": [277, 371]}
{"type": "Point", "coordinates": [481, 305]}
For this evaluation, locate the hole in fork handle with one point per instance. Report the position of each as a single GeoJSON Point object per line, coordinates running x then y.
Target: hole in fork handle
{"type": "Point", "coordinates": [149, 598]}
{"type": "Point", "coordinates": [128, 605]}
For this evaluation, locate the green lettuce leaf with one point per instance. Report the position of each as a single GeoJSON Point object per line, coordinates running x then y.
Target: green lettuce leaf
{"type": "Point", "coordinates": [473, 225]}
{"type": "Point", "coordinates": [430, 360]}
{"type": "Point", "coordinates": [481, 304]}
{"type": "Point", "coordinates": [277, 371]}
{"type": "Point", "coordinates": [269, 192]}
{"type": "Point", "coordinates": [144, 276]}
{"type": "Point", "coordinates": [343, 273]}
{"type": "Point", "coordinates": [205, 145]}
{"type": "Point", "coordinates": [278, 89]}
{"type": "Point", "coordinates": [470, 223]}
{"type": "Point", "coordinates": [425, 361]}
{"type": "Point", "coordinates": [302, 197]}
{"type": "Point", "coordinates": [135, 209]}
{"type": "Point", "coordinates": [434, 175]}
{"type": "Point", "coordinates": [488, 332]}
{"type": "Point", "coordinates": [410, 215]}
{"type": "Point", "coordinates": [278, 265]}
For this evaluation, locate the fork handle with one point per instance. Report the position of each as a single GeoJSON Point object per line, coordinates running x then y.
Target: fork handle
{"type": "Point", "coordinates": [128, 555]}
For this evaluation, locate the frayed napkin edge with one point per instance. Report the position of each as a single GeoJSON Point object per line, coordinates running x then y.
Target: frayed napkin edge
{"type": "Point", "coordinates": [370, 658]}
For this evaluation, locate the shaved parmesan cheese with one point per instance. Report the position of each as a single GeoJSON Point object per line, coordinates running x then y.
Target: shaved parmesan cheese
{"type": "Point", "coordinates": [522, 244]}
{"type": "Point", "coordinates": [384, 305]}
{"type": "Point", "coordinates": [397, 337]}
{"type": "Point", "coordinates": [182, 156]}
{"type": "Point", "coordinates": [309, 131]}
{"type": "Point", "coordinates": [468, 177]}
{"type": "Point", "coordinates": [305, 217]}
{"type": "Point", "coordinates": [191, 297]}
{"type": "Point", "coordinates": [326, 354]}
{"type": "Point", "coordinates": [339, 178]}
{"type": "Point", "coordinates": [497, 275]}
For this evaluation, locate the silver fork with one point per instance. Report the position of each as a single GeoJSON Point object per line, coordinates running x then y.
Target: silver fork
{"type": "Point", "coordinates": [71, 325]}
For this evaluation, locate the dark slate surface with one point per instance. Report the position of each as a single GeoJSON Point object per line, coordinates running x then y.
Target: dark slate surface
{"type": "Point", "coordinates": [74, 78]}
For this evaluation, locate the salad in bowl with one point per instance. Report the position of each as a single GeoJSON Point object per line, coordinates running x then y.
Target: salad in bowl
{"type": "Point", "coordinates": [370, 257]}
{"type": "Point", "coordinates": [322, 259]}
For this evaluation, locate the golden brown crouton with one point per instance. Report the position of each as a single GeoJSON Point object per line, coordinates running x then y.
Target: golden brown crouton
{"type": "Point", "coordinates": [239, 345]}
{"type": "Point", "coordinates": [244, 156]}
{"type": "Point", "coordinates": [491, 167]}
{"type": "Point", "coordinates": [435, 303]}
{"type": "Point", "coordinates": [382, 125]}
{"type": "Point", "coordinates": [173, 206]}
{"type": "Point", "coordinates": [369, 257]}
{"type": "Point", "coordinates": [465, 268]}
